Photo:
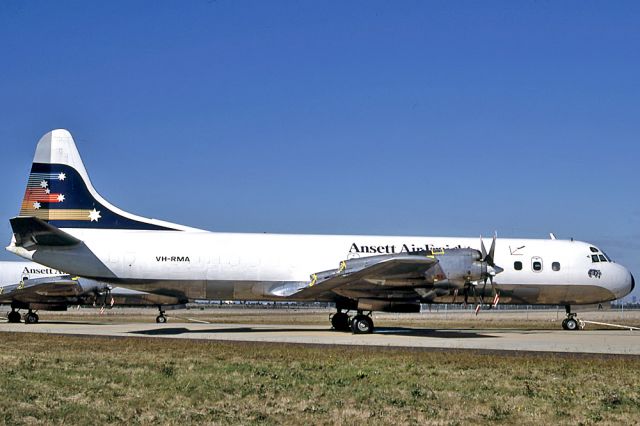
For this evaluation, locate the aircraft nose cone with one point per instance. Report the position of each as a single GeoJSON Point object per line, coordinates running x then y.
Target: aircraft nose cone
{"type": "Point", "coordinates": [626, 286]}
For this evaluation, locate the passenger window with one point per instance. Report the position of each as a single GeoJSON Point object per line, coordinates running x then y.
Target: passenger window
{"type": "Point", "coordinates": [517, 266]}
{"type": "Point", "coordinates": [602, 258]}
{"type": "Point", "coordinates": [555, 266]}
{"type": "Point", "coordinates": [594, 258]}
{"type": "Point", "coordinates": [536, 264]}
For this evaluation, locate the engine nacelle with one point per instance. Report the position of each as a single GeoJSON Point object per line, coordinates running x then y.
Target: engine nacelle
{"type": "Point", "coordinates": [457, 267]}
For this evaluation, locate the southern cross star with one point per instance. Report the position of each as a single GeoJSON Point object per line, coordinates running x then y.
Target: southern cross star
{"type": "Point", "coordinates": [44, 184]}
{"type": "Point", "coordinates": [62, 176]}
{"type": "Point", "coordinates": [36, 205]}
{"type": "Point", "coordinates": [60, 198]}
{"type": "Point", "coordinates": [94, 215]}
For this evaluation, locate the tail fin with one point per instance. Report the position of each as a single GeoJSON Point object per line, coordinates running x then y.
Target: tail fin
{"type": "Point", "coordinates": [60, 193]}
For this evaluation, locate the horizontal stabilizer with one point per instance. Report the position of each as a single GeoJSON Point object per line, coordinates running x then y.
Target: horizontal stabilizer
{"type": "Point", "coordinates": [30, 232]}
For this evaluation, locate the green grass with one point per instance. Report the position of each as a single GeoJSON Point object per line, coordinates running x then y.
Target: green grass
{"type": "Point", "coordinates": [47, 379]}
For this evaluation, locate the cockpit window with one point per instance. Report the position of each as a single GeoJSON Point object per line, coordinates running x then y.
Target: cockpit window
{"type": "Point", "coordinates": [602, 258]}
{"type": "Point", "coordinates": [594, 258]}
{"type": "Point", "coordinates": [607, 256]}
{"type": "Point", "coordinates": [593, 249]}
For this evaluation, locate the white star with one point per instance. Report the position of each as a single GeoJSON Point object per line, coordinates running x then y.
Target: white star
{"type": "Point", "coordinates": [44, 184]}
{"type": "Point", "coordinates": [47, 191]}
{"type": "Point", "coordinates": [36, 205]}
{"type": "Point", "coordinates": [62, 176]}
{"type": "Point", "coordinates": [94, 215]}
{"type": "Point", "coordinates": [60, 198]}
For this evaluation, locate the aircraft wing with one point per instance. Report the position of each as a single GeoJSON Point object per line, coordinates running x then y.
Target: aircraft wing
{"type": "Point", "coordinates": [41, 288]}
{"type": "Point", "coordinates": [370, 273]}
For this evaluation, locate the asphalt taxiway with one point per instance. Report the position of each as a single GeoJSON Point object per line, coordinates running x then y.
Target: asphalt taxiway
{"type": "Point", "coordinates": [585, 341]}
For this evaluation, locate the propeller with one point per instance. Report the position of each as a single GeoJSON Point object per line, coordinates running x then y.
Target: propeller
{"type": "Point", "coordinates": [492, 270]}
{"type": "Point", "coordinates": [488, 270]}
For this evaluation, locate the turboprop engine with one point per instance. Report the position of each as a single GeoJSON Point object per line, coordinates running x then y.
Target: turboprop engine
{"type": "Point", "coordinates": [456, 267]}
{"type": "Point", "coordinates": [459, 267]}
{"type": "Point", "coordinates": [462, 268]}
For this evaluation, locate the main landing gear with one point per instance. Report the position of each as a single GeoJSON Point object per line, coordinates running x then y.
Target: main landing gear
{"type": "Point", "coordinates": [571, 322]}
{"type": "Point", "coordinates": [31, 317]}
{"type": "Point", "coordinates": [161, 318]}
{"type": "Point", "coordinates": [359, 324]}
{"type": "Point", "coordinates": [13, 316]}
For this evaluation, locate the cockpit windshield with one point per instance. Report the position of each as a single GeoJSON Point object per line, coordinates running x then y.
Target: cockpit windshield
{"type": "Point", "coordinates": [599, 255]}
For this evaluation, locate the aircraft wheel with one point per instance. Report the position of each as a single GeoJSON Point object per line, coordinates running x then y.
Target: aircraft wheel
{"type": "Point", "coordinates": [340, 321]}
{"type": "Point", "coordinates": [564, 324]}
{"type": "Point", "coordinates": [161, 319]}
{"type": "Point", "coordinates": [31, 318]}
{"type": "Point", "coordinates": [362, 324]}
{"type": "Point", "coordinates": [572, 324]}
{"type": "Point", "coordinates": [13, 317]}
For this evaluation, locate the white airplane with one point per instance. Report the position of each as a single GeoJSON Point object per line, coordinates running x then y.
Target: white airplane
{"type": "Point", "coordinates": [31, 286]}
{"type": "Point", "coordinates": [65, 224]}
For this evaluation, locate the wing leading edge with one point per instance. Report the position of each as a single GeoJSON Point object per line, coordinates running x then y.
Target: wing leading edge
{"type": "Point", "coordinates": [373, 271]}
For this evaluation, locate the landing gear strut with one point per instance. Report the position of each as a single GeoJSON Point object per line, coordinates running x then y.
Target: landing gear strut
{"type": "Point", "coordinates": [31, 317]}
{"type": "Point", "coordinates": [13, 316]}
{"type": "Point", "coordinates": [161, 318]}
{"type": "Point", "coordinates": [571, 322]}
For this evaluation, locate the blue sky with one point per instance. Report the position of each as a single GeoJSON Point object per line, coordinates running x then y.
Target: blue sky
{"type": "Point", "coordinates": [368, 117]}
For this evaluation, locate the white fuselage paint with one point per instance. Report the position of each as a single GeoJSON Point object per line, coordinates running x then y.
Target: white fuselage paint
{"type": "Point", "coordinates": [150, 259]}
{"type": "Point", "coordinates": [14, 272]}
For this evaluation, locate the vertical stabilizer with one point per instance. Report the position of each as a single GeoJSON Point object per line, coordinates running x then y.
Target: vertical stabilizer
{"type": "Point", "coordinates": [60, 193]}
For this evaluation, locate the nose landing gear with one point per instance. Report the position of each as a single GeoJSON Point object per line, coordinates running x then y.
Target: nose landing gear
{"type": "Point", "coordinates": [161, 318]}
{"type": "Point", "coordinates": [571, 322]}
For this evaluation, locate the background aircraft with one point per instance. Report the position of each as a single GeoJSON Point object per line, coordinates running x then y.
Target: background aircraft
{"type": "Point", "coordinates": [34, 287]}
{"type": "Point", "coordinates": [65, 224]}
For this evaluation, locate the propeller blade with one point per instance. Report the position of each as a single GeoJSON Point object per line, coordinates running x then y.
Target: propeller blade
{"type": "Point", "coordinates": [492, 250]}
{"type": "Point", "coordinates": [483, 249]}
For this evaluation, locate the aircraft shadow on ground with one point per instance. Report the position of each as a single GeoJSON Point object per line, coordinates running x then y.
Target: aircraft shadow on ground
{"type": "Point", "coordinates": [429, 332]}
{"type": "Point", "coordinates": [396, 331]}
